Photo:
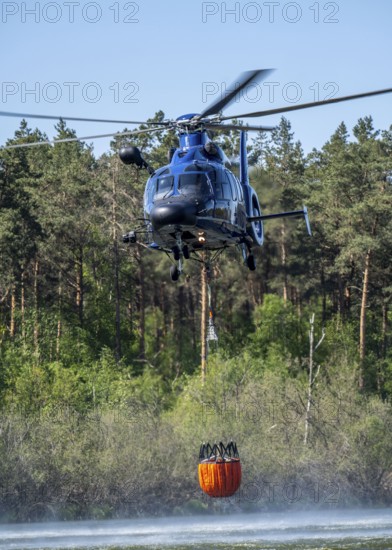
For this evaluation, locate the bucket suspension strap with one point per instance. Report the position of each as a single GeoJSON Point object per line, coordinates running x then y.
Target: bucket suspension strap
{"type": "Point", "coordinates": [211, 331]}
{"type": "Point", "coordinates": [209, 452]}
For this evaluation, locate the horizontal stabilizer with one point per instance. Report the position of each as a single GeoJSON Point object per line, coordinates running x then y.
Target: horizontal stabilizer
{"type": "Point", "coordinates": [293, 214]}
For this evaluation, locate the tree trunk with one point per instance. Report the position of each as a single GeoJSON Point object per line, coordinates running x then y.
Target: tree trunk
{"type": "Point", "coordinates": [383, 350]}
{"type": "Point", "coordinates": [59, 326]}
{"type": "Point", "coordinates": [324, 296]}
{"type": "Point", "coordinates": [384, 330]}
{"type": "Point", "coordinates": [252, 292]}
{"type": "Point", "coordinates": [181, 323]}
{"type": "Point", "coordinates": [312, 375]}
{"type": "Point", "coordinates": [142, 309]}
{"type": "Point", "coordinates": [36, 324]}
{"type": "Point", "coordinates": [79, 286]}
{"type": "Point", "coordinates": [23, 305]}
{"type": "Point", "coordinates": [116, 259]}
{"type": "Point", "coordinates": [310, 379]}
{"type": "Point", "coordinates": [283, 251]}
{"type": "Point", "coordinates": [13, 311]}
{"type": "Point", "coordinates": [362, 323]}
{"type": "Point", "coordinates": [162, 305]}
{"type": "Point", "coordinates": [203, 322]}
{"type": "Point", "coordinates": [347, 300]}
{"type": "Point", "coordinates": [193, 321]}
{"type": "Point", "coordinates": [341, 297]}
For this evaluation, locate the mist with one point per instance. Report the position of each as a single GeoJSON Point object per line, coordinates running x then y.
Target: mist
{"type": "Point", "coordinates": [273, 530]}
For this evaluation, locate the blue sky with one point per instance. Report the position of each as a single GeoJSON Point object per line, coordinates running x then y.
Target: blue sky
{"type": "Point", "coordinates": [126, 60]}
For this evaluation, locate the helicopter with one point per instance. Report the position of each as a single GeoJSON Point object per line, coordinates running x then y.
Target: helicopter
{"type": "Point", "coordinates": [195, 204]}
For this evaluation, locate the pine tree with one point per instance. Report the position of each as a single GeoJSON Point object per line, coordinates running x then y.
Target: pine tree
{"type": "Point", "coordinates": [284, 164]}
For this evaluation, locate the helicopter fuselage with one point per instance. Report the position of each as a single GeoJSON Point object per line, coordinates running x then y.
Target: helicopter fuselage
{"type": "Point", "coordinates": [196, 199]}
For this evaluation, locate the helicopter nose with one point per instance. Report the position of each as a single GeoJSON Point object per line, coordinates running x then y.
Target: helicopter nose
{"type": "Point", "coordinates": [173, 213]}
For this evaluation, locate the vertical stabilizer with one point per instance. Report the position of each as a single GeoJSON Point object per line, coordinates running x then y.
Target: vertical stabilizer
{"type": "Point", "coordinates": [243, 160]}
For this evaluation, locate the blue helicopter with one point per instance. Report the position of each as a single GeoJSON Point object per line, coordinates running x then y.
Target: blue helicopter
{"type": "Point", "coordinates": [196, 204]}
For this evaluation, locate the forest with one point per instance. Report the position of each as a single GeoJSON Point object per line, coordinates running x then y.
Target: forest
{"type": "Point", "coordinates": [102, 406]}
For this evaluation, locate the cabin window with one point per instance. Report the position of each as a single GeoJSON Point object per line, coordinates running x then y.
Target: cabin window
{"type": "Point", "coordinates": [239, 190]}
{"type": "Point", "coordinates": [194, 184]}
{"type": "Point", "coordinates": [216, 183]}
{"type": "Point", "coordinates": [227, 187]}
{"type": "Point", "coordinates": [220, 184]}
{"type": "Point", "coordinates": [233, 185]}
{"type": "Point", "coordinates": [163, 187]}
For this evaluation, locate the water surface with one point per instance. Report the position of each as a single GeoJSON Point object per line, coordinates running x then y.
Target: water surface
{"type": "Point", "coordinates": [359, 529]}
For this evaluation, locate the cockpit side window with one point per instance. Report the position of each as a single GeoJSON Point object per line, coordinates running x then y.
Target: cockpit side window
{"type": "Point", "coordinates": [149, 192]}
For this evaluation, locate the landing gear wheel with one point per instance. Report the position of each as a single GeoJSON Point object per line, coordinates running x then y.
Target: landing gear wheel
{"type": "Point", "coordinates": [251, 262]}
{"type": "Point", "coordinates": [176, 253]}
{"type": "Point", "coordinates": [174, 273]}
{"type": "Point", "coordinates": [185, 251]}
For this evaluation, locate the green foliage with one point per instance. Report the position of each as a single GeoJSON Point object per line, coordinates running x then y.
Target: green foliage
{"type": "Point", "coordinates": [279, 330]}
{"type": "Point", "coordinates": [102, 405]}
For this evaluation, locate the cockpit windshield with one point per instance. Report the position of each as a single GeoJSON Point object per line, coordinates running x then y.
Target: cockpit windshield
{"type": "Point", "coordinates": [194, 184]}
{"type": "Point", "coordinates": [163, 187]}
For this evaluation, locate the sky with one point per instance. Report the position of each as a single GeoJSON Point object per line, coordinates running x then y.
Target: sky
{"type": "Point", "coordinates": [127, 60]}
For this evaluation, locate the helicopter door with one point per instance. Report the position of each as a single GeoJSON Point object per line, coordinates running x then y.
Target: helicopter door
{"type": "Point", "coordinates": [238, 196]}
{"type": "Point", "coordinates": [233, 195]}
{"type": "Point", "coordinates": [222, 192]}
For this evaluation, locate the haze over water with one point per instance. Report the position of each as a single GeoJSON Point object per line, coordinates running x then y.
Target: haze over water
{"type": "Point", "coordinates": [370, 529]}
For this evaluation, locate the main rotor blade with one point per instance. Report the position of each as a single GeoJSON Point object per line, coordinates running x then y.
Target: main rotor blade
{"type": "Point", "coordinates": [308, 105]}
{"type": "Point", "coordinates": [242, 81]}
{"type": "Point", "coordinates": [239, 127]}
{"type": "Point", "coordinates": [79, 119]}
{"type": "Point", "coordinates": [69, 140]}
